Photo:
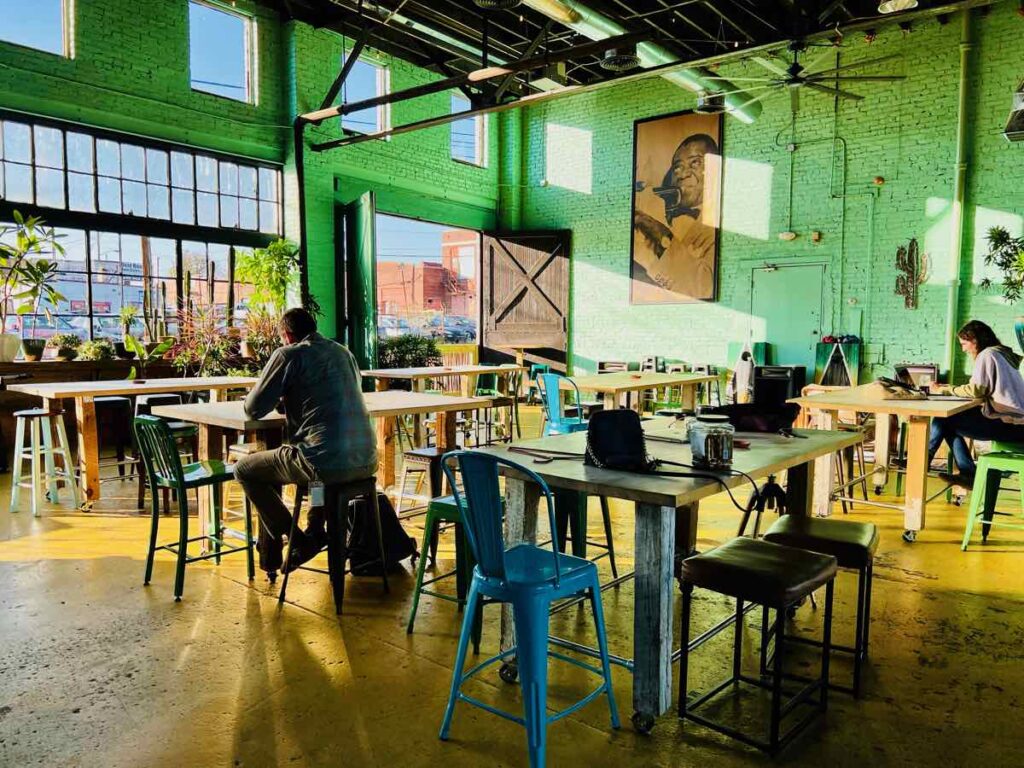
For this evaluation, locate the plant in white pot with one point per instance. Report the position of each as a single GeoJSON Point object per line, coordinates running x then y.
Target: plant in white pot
{"type": "Point", "coordinates": [26, 278]}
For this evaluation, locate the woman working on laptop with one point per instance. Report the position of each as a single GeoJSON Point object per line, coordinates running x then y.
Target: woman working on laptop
{"type": "Point", "coordinates": [1000, 417]}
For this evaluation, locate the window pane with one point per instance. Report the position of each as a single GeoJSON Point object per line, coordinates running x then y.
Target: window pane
{"type": "Point", "coordinates": [206, 173]}
{"type": "Point", "coordinates": [80, 152]}
{"type": "Point", "coordinates": [193, 260]}
{"type": "Point", "coordinates": [268, 184]}
{"type": "Point", "coordinates": [17, 142]}
{"type": "Point", "coordinates": [106, 257]}
{"type": "Point", "coordinates": [247, 214]}
{"type": "Point", "coordinates": [246, 181]}
{"type": "Point", "coordinates": [42, 28]}
{"type": "Point", "coordinates": [159, 203]}
{"type": "Point", "coordinates": [49, 188]}
{"type": "Point", "coordinates": [181, 170]}
{"type": "Point", "coordinates": [183, 207]}
{"type": "Point", "coordinates": [163, 256]}
{"type": "Point", "coordinates": [156, 166]}
{"type": "Point", "coordinates": [133, 162]}
{"type": "Point", "coordinates": [110, 195]}
{"type": "Point", "coordinates": [207, 209]}
{"type": "Point", "coordinates": [17, 183]}
{"type": "Point", "coordinates": [49, 147]}
{"type": "Point", "coordinates": [228, 211]}
{"type": "Point", "coordinates": [108, 157]}
{"type": "Point", "coordinates": [134, 197]}
{"type": "Point", "coordinates": [362, 84]}
{"type": "Point", "coordinates": [219, 51]}
{"type": "Point", "coordinates": [229, 178]}
{"type": "Point", "coordinates": [81, 193]}
{"type": "Point", "coordinates": [268, 217]}
{"type": "Point", "coordinates": [218, 260]}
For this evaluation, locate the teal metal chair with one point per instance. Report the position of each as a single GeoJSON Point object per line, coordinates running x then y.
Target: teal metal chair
{"type": "Point", "coordinates": [164, 469]}
{"type": "Point", "coordinates": [536, 370]}
{"type": "Point", "coordinates": [530, 578]}
{"type": "Point", "coordinates": [556, 422]}
{"type": "Point", "coordinates": [1004, 458]}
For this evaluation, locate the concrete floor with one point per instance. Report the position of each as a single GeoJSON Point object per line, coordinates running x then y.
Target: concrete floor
{"type": "Point", "coordinates": [97, 670]}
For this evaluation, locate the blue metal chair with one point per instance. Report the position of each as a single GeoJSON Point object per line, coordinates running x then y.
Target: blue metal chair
{"type": "Point", "coordinates": [556, 422]}
{"type": "Point", "coordinates": [530, 578]}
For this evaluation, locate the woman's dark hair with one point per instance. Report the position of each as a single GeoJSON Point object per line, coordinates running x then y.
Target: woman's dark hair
{"type": "Point", "coordinates": [298, 323]}
{"type": "Point", "coordinates": [980, 333]}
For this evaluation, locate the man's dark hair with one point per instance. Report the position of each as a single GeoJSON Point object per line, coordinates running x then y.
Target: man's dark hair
{"type": "Point", "coordinates": [298, 323]}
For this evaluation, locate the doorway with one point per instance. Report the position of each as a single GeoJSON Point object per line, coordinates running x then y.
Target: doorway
{"type": "Point", "coordinates": [786, 309]}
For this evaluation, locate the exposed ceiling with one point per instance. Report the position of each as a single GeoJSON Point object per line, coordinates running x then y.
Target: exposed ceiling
{"type": "Point", "coordinates": [448, 36]}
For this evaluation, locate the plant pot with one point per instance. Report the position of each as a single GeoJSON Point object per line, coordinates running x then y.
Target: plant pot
{"type": "Point", "coordinates": [10, 343]}
{"type": "Point", "coordinates": [32, 349]}
{"type": "Point", "coordinates": [67, 355]}
{"type": "Point", "coordinates": [122, 352]}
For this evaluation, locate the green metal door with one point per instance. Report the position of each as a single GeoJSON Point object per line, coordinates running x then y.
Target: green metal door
{"type": "Point", "coordinates": [786, 311]}
{"type": "Point", "coordinates": [361, 282]}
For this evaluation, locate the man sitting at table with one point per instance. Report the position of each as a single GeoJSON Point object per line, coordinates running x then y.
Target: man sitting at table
{"type": "Point", "coordinates": [316, 382]}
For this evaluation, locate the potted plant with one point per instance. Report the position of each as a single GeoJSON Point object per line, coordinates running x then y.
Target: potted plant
{"type": "Point", "coordinates": [66, 344]}
{"type": "Point", "coordinates": [1007, 254]}
{"type": "Point", "coordinates": [146, 355]}
{"type": "Point", "coordinates": [261, 337]}
{"type": "Point", "coordinates": [129, 316]}
{"type": "Point", "coordinates": [26, 278]}
{"type": "Point", "coordinates": [206, 347]}
{"type": "Point", "coordinates": [97, 349]}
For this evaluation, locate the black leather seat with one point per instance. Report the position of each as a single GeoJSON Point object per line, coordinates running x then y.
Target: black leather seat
{"type": "Point", "coordinates": [852, 544]}
{"type": "Point", "coordinates": [760, 571]}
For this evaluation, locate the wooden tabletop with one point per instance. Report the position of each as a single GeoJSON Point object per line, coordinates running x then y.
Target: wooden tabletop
{"type": "Point", "coordinates": [59, 389]}
{"type": "Point", "coordinates": [231, 415]}
{"type": "Point", "coordinates": [767, 454]}
{"type": "Point", "coordinates": [860, 400]}
{"type": "Point", "coordinates": [437, 371]}
{"type": "Point", "coordinates": [631, 381]}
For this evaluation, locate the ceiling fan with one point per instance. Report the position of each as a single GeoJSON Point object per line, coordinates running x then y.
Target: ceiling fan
{"type": "Point", "coordinates": [795, 77]}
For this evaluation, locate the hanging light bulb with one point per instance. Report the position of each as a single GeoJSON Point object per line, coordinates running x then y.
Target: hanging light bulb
{"type": "Point", "coordinates": [895, 6]}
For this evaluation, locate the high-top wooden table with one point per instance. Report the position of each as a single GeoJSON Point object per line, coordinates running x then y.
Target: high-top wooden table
{"type": "Point", "coordinates": [85, 393]}
{"type": "Point", "coordinates": [419, 376]}
{"type": "Point", "coordinates": [614, 385]}
{"type": "Point", "coordinates": [918, 415]}
{"type": "Point", "coordinates": [666, 521]}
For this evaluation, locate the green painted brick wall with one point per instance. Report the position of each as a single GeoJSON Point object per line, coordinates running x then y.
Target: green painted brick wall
{"type": "Point", "coordinates": [578, 173]}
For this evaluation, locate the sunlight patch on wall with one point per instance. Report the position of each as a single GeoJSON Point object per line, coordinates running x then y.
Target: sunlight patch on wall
{"type": "Point", "coordinates": [747, 199]}
{"type": "Point", "coordinates": [568, 158]}
{"type": "Point", "coordinates": [935, 245]}
{"type": "Point", "coordinates": [984, 220]}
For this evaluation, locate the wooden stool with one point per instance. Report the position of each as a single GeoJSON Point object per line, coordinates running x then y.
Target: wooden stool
{"type": "Point", "coordinates": [41, 423]}
{"type": "Point", "coordinates": [853, 545]}
{"type": "Point", "coordinates": [776, 577]}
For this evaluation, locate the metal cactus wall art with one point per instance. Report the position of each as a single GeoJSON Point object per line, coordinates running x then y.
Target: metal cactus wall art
{"type": "Point", "coordinates": [912, 266]}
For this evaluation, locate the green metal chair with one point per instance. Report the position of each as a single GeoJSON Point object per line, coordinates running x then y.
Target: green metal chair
{"type": "Point", "coordinates": [164, 469]}
{"type": "Point", "coordinates": [1004, 457]}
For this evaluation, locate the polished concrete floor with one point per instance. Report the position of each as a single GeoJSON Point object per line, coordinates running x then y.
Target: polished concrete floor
{"type": "Point", "coordinates": [97, 670]}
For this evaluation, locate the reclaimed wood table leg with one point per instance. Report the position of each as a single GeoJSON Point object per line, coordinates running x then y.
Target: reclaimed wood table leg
{"type": "Point", "coordinates": [211, 446]}
{"type": "Point", "coordinates": [611, 401]}
{"type": "Point", "coordinates": [688, 397]}
{"type": "Point", "coordinates": [917, 475]}
{"type": "Point", "coordinates": [824, 471]}
{"type": "Point", "coordinates": [521, 501]}
{"type": "Point", "coordinates": [88, 450]}
{"type": "Point", "coordinates": [386, 451]}
{"type": "Point", "coordinates": [883, 439]}
{"type": "Point", "coordinates": [800, 489]}
{"type": "Point", "coordinates": [652, 613]}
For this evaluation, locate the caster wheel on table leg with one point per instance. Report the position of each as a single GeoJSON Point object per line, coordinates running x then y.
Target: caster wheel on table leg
{"type": "Point", "coordinates": [643, 722]}
{"type": "Point", "coordinates": [86, 506]}
{"type": "Point", "coordinates": [910, 536]}
{"type": "Point", "coordinates": [878, 490]}
{"type": "Point", "coordinates": [509, 672]}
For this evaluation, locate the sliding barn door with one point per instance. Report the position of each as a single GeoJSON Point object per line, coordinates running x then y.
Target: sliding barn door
{"type": "Point", "coordinates": [525, 293]}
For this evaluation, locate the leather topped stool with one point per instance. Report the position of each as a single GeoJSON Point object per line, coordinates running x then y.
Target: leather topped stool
{"type": "Point", "coordinates": [775, 577]}
{"type": "Point", "coordinates": [853, 545]}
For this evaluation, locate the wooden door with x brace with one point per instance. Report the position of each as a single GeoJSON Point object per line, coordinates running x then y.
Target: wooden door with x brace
{"type": "Point", "coordinates": [525, 291]}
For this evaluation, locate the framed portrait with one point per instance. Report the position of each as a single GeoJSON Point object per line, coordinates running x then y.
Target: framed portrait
{"type": "Point", "coordinates": [676, 212]}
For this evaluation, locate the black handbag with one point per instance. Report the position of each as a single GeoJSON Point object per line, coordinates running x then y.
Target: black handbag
{"type": "Point", "coordinates": [615, 440]}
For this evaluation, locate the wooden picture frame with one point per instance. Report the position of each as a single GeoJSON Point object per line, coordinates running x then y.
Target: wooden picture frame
{"type": "Point", "coordinates": [676, 208]}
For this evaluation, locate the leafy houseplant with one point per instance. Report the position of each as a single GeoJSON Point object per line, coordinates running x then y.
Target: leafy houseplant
{"type": "Point", "coordinates": [272, 271]}
{"type": "Point", "coordinates": [26, 278]}
{"type": "Point", "coordinates": [205, 348]}
{"type": "Point", "coordinates": [1007, 254]}
{"type": "Point", "coordinates": [261, 338]}
{"type": "Point", "coordinates": [97, 349]}
{"type": "Point", "coordinates": [146, 355]}
{"type": "Point", "coordinates": [66, 344]}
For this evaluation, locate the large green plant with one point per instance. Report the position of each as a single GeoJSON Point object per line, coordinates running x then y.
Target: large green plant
{"type": "Point", "coordinates": [205, 348]}
{"type": "Point", "coordinates": [271, 271]}
{"type": "Point", "coordinates": [408, 351]}
{"type": "Point", "coordinates": [1007, 254]}
{"type": "Point", "coordinates": [26, 275]}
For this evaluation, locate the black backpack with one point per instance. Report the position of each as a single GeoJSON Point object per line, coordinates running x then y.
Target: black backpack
{"type": "Point", "coordinates": [364, 554]}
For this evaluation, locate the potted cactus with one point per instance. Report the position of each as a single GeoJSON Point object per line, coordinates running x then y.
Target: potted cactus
{"type": "Point", "coordinates": [66, 344]}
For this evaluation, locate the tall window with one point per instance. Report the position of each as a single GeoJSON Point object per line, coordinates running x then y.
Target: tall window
{"type": "Point", "coordinates": [367, 80]}
{"type": "Point", "coordinates": [39, 24]}
{"type": "Point", "coordinates": [104, 175]}
{"type": "Point", "coordinates": [221, 51]}
{"type": "Point", "coordinates": [469, 135]}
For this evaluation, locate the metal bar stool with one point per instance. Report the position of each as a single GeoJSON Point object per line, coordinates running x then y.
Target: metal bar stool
{"type": "Point", "coordinates": [41, 452]}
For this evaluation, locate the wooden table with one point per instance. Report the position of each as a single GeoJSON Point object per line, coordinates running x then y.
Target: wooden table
{"type": "Point", "coordinates": [666, 520]}
{"type": "Point", "coordinates": [84, 394]}
{"type": "Point", "coordinates": [918, 415]}
{"type": "Point", "coordinates": [420, 376]}
{"type": "Point", "coordinates": [614, 385]}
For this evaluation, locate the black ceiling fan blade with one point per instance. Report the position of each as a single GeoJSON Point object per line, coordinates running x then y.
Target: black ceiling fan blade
{"type": "Point", "coordinates": [833, 91]}
{"type": "Point", "coordinates": [769, 86]}
{"type": "Point", "coordinates": [856, 78]}
{"type": "Point", "coordinates": [862, 63]}
{"type": "Point", "coordinates": [745, 79]}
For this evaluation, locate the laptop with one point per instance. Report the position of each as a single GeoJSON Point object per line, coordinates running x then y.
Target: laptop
{"type": "Point", "coordinates": [918, 375]}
